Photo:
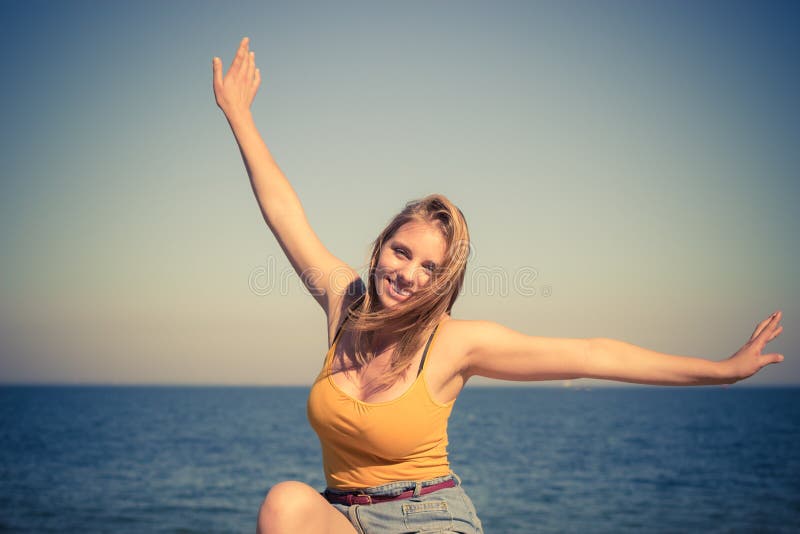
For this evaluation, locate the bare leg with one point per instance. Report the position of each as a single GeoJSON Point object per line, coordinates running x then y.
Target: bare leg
{"type": "Point", "coordinates": [295, 508]}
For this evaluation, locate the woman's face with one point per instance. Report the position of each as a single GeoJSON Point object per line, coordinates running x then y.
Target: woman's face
{"type": "Point", "coordinates": [407, 261]}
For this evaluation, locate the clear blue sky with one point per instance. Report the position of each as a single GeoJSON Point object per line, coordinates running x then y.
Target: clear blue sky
{"type": "Point", "coordinates": [641, 158]}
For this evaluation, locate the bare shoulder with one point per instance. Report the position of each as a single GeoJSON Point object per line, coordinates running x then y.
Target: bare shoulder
{"type": "Point", "coordinates": [457, 338]}
{"type": "Point", "coordinates": [461, 335]}
{"type": "Point", "coordinates": [449, 366]}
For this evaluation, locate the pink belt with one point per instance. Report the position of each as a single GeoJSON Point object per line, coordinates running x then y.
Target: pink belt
{"type": "Point", "coordinates": [362, 498]}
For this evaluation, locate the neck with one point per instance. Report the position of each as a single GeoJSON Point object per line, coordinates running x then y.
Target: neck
{"type": "Point", "coordinates": [382, 342]}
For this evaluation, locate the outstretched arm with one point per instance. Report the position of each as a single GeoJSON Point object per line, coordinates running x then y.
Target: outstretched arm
{"type": "Point", "coordinates": [326, 277]}
{"type": "Point", "coordinates": [495, 351]}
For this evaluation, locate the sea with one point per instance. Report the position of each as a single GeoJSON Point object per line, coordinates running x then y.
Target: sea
{"type": "Point", "coordinates": [133, 459]}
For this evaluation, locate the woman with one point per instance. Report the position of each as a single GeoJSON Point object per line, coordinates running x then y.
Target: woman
{"type": "Point", "coordinates": [397, 361]}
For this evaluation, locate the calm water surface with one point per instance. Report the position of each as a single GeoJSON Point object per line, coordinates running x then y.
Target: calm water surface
{"type": "Point", "coordinates": [201, 459]}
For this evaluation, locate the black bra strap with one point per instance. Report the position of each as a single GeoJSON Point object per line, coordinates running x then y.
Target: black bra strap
{"type": "Point", "coordinates": [424, 354]}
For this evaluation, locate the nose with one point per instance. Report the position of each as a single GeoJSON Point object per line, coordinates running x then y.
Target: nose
{"type": "Point", "coordinates": [407, 276]}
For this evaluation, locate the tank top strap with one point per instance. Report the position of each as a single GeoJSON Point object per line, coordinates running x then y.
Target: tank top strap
{"type": "Point", "coordinates": [347, 313]}
{"type": "Point", "coordinates": [425, 352]}
{"type": "Point", "coordinates": [339, 331]}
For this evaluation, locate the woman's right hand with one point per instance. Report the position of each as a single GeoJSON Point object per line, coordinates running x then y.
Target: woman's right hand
{"type": "Point", "coordinates": [237, 89]}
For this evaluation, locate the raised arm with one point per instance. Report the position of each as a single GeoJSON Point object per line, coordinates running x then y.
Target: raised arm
{"type": "Point", "coordinates": [495, 351]}
{"type": "Point", "coordinates": [326, 277]}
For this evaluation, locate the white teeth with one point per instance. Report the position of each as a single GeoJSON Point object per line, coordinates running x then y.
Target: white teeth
{"type": "Point", "coordinates": [399, 291]}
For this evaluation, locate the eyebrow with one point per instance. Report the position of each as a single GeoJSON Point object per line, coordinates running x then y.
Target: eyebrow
{"type": "Point", "coordinates": [399, 243]}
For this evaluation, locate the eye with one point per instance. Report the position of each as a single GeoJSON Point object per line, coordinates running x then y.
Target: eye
{"type": "Point", "coordinates": [401, 251]}
{"type": "Point", "coordinates": [431, 268]}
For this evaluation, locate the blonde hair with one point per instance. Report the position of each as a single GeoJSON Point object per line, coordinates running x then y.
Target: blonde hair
{"type": "Point", "coordinates": [413, 319]}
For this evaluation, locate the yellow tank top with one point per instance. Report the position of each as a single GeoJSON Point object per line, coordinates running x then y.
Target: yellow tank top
{"type": "Point", "coordinates": [368, 444]}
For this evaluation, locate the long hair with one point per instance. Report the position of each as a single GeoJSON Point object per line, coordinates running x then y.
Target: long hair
{"type": "Point", "coordinates": [413, 319]}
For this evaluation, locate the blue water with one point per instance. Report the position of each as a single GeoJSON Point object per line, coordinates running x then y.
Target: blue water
{"type": "Point", "coordinates": [201, 459]}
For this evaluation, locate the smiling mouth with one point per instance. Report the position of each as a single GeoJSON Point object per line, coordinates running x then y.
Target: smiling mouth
{"type": "Point", "coordinates": [397, 292]}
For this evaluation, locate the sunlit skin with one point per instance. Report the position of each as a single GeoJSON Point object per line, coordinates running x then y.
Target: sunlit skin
{"type": "Point", "coordinates": [407, 261]}
{"type": "Point", "coordinates": [464, 348]}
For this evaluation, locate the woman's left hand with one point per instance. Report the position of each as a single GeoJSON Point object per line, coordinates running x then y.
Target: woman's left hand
{"type": "Point", "coordinates": [749, 360]}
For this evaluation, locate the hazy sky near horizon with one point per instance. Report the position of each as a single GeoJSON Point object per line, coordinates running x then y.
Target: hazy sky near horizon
{"type": "Point", "coordinates": [627, 169]}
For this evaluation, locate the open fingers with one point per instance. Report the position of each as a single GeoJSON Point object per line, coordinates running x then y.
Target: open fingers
{"type": "Point", "coordinates": [771, 329]}
{"type": "Point", "coordinates": [767, 359]}
{"type": "Point", "coordinates": [216, 66]}
{"type": "Point", "coordinates": [776, 332]}
{"type": "Point", "coordinates": [239, 59]}
{"type": "Point", "coordinates": [760, 326]}
{"type": "Point", "coordinates": [251, 66]}
{"type": "Point", "coordinates": [255, 83]}
{"type": "Point", "coordinates": [244, 67]}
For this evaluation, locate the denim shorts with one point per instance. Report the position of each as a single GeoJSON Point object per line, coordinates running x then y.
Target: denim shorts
{"type": "Point", "coordinates": [444, 510]}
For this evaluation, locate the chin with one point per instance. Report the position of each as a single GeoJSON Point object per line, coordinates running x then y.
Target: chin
{"type": "Point", "coordinates": [387, 301]}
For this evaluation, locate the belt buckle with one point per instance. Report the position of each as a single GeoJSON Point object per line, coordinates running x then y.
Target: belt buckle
{"type": "Point", "coordinates": [360, 498]}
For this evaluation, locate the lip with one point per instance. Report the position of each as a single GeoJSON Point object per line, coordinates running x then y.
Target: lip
{"type": "Point", "coordinates": [393, 292]}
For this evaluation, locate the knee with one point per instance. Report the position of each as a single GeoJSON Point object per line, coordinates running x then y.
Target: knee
{"type": "Point", "coordinates": [286, 504]}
